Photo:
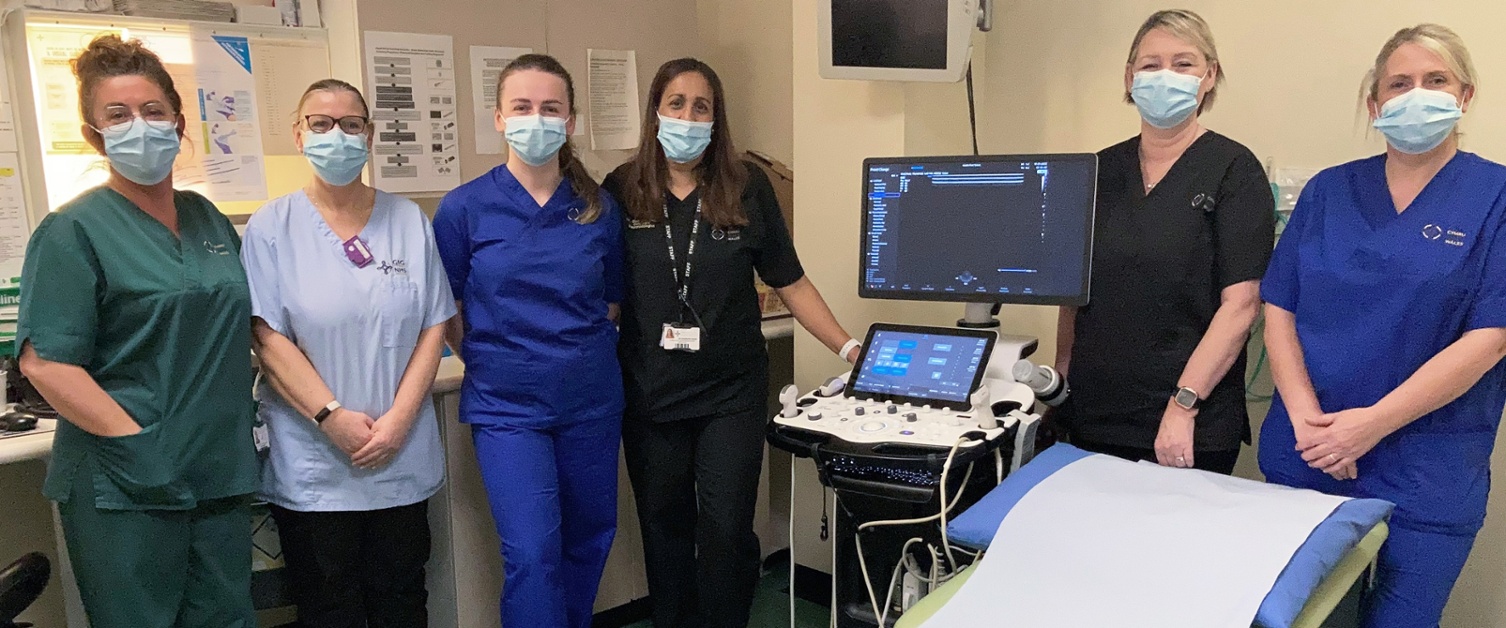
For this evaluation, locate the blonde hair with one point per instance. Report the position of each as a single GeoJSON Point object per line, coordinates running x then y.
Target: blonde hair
{"type": "Point", "coordinates": [1439, 40]}
{"type": "Point", "coordinates": [1191, 28]}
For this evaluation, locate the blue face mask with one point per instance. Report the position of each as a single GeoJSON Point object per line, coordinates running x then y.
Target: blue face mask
{"type": "Point", "coordinates": [1418, 121]}
{"type": "Point", "coordinates": [1165, 98]}
{"type": "Point", "coordinates": [535, 139]}
{"type": "Point", "coordinates": [683, 140]}
{"type": "Point", "coordinates": [336, 156]}
{"type": "Point", "coordinates": [142, 151]}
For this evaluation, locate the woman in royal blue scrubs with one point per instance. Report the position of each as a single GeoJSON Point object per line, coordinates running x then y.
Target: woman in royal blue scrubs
{"type": "Point", "coordinates": [534, 254]}
{"type": "Point", "coordinates": [1386, 325]}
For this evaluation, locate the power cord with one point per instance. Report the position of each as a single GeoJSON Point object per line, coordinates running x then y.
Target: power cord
{"type": "Point", "coordinates": [946, 506]}
{"type": "Point", "coordinates": [972, 109]}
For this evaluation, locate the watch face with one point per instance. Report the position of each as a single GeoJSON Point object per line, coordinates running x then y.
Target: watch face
{"type": "Point", "coordinates": [1186, 398]}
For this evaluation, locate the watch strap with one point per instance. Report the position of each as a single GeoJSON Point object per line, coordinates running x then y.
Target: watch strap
{"type": "Point", "coordinates": [847, 348]}
{"type": "Point", "coordinates": [327, 410]}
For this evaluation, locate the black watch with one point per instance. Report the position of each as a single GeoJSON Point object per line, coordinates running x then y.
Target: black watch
{"type": "Point", "coordinates": [325, 412]}
{"type": "Point", "coordinates": [1187, 398]}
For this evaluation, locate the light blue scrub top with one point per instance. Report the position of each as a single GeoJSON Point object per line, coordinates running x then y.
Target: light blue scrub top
{"type": "Point", "coordinates": [359, 327]}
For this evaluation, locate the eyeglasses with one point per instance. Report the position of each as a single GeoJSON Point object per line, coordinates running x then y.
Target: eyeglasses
{"type": "Point", "coordinates": [351, 125]}
{"type": "Point", "coordinates": [120, 118]}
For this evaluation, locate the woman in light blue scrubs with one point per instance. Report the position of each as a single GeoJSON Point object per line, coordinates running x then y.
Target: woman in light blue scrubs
{"type": "Point", "coordinates": [1386, 325]}
{"type": "Point", "coordinates": [534, 253]}
{"type": "Point", "coordinates": [349, 299]}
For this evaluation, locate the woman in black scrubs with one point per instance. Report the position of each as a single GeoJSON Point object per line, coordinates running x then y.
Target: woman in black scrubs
{"type": "Point", "coordinates": [700, 223]}
{"type": "Point", "coordinates": [1184, 229]}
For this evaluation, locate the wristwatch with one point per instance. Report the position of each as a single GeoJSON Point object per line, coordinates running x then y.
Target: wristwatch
{"type": "Point", "coordinates": [1187, 398]}
{"type": "Point", "coordinates": [326, 411]}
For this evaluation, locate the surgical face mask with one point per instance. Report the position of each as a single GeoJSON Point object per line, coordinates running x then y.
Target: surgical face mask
{"type": "Point", "coordinates": [536, 139]}
{"type": "Point", "coordinates": [1165, 98]}
{"type": "Point", "coordinates": [1418, 121]}
{"type": "Point", "coordinates": [683, 140]}
{"type": "Point", "coordinates": [142, 150]}
{"type": "Point", "coordinates": [337, 157]}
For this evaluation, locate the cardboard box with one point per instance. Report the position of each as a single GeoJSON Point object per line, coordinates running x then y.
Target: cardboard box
{"type": "Point", "coordinates": [783, 180]}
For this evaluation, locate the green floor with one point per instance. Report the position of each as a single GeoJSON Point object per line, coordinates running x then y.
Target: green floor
{"type": "Point", "coordinates": [771, 606]}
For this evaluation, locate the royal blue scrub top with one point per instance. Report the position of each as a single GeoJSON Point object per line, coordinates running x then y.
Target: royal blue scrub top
{"type": "Point", "coordinates": [534, 286]}
{"type": "Point", "coordinates": [1375, 295]}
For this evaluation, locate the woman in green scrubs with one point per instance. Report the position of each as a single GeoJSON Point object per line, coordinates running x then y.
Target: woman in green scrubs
{"type": "Point", "coordinates": [135, 326]}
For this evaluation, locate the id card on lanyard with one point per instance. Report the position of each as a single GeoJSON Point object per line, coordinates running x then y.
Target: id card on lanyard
{"type": "Point", "coordinates": [680, 335]}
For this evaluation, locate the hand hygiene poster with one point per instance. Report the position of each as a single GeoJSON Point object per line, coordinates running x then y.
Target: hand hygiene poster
{"type": "Point", "coordinates": [230, 125]}
{"type": "Point", "coordinates": [414, 109]}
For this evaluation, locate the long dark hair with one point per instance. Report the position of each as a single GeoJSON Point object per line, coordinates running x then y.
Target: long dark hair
{"type": "Point", "coordinates": [581, 182]}
{"type": "Point", "coordinates": [720, 174]}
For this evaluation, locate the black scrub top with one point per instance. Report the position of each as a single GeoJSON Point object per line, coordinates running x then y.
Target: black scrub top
{"type": "Point", "coordinates": [729, 375]}
{"type": "Point", "coordinates": [1160, 263]}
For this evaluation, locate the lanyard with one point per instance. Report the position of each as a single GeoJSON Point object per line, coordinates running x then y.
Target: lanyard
{"type": "Point", "coordinates": [682, 281]}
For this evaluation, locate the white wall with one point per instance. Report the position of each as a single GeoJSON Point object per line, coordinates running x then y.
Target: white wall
{"type": "Point", "coordinates": [1050, 79]}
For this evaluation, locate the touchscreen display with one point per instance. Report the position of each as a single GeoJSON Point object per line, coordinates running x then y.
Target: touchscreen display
{"type": "Point", "coordinates": [920, 365]}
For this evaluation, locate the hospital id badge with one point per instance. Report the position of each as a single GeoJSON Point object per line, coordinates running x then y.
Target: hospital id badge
{"type": "Point", "coordinates": [681, 337]}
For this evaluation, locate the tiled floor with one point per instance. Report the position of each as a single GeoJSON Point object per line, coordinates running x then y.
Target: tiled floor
{"type": "Point", "coordinates": [771, 606]}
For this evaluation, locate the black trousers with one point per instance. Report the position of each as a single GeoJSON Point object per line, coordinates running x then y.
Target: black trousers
{"type": "Point", "coordinates": [696, 485]}
{"type": "Point", "coordinates": [1215, 461]}
{"type": "Point", "coordinates": [357, 569]}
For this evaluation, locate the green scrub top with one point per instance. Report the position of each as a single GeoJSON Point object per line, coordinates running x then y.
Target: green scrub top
{"type": "Point", "coordinates": [163, 324]}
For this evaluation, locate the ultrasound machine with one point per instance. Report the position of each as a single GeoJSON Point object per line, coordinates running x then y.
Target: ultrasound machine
{"type": "Point", "coordinates": [898, 438]}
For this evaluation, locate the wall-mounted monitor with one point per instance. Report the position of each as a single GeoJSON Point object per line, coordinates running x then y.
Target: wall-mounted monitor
{"type": "Point", "coordinates": [897, 40]}
{"type": "Point", "coordinates": [1012, 229]}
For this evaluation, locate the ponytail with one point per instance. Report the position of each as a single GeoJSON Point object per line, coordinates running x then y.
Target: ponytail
{"type": "Point", "coordinates": [581, 182]}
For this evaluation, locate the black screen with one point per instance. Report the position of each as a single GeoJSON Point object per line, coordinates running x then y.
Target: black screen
{"type": "Point", "coordinates": [1010, 229]}
{"type": "Point", "coordinates": [889, 33]}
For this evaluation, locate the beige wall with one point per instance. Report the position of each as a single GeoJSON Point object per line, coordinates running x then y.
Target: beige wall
{"type": "Point", "coordinates": [1050, 79]}
{"type": "Point", "coordinates": [748, 44]}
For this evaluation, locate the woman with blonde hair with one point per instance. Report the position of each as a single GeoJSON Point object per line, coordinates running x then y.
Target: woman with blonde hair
{"type": "Point", "coordinates": [1183, 231]}
{"type": "Point", "coordinates": [1386, 325]}
{"type": "Point", "coordinates": [348, 299]}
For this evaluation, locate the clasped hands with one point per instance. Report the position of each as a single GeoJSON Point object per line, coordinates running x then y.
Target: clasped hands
{"type": "Point", "coordinates": [1334, 442]}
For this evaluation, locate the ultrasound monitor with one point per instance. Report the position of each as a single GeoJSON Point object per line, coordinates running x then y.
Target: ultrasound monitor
{"type": "Point", "coordinates": [1015, 229]}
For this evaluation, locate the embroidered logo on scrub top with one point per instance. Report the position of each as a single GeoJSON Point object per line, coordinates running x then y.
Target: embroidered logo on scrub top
{"type": "Point", "coordinates": [216, 249]}
{"type": "Point", "coordinates": [397, 266]}
{"type": "Point", "coordinates": [730, 235]}
{"type": "Point", "coordinates": [1450, 237]}
{"type": "Point", "coordinates": [640, 224]}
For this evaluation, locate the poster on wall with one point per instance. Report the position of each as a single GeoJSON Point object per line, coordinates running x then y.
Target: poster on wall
{"type": "Point", "coordinates": [612, 76]}
{"type": "Point", "coordinates": [52, 52]}
{"type": "Point", "coordinates": [14, 227]}
{"type": "Point", "coordinates": [487, 63]}
{"type": "Point", "coordinates": [413, 105]}
{"type": "Point", "coordinates": [7, 119]}
{"type": "Point", "coordinates": [229, 124]}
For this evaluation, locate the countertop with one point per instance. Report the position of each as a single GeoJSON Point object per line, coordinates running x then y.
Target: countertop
{"type": "Point", "coordinates": [38, 444]}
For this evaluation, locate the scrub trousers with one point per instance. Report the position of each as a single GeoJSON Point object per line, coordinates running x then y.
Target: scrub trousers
{"type": "Point", "coordinates": [357, 569]}
{"type": "Point", "coordinates": [1418, 565]}
{"type": "Point", "coordinates": [696, 486]}
{"type": "Point", "coordinates": [553, 494]}
{"type": "Point", "coordinates": [160, 568]}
